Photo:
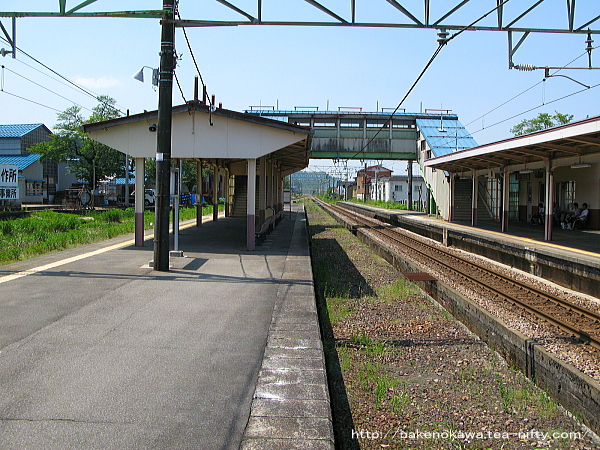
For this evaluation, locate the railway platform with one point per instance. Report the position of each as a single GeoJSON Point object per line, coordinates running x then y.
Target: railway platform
{"type": "Point", "coordinates": [571, 259]}
{"type": "Point", "coordinates": [223, 351]}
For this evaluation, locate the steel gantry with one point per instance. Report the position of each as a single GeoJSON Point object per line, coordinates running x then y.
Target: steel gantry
{"type": "Point", "coordinates": [424, 19]}
{"type": "Point", "coordinates": [508, 18]}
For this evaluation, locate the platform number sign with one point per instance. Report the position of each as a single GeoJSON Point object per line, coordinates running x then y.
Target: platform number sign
{"type": "Point", "coordinates": [9, 182]}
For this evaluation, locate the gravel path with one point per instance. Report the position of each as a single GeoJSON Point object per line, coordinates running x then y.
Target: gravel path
{"type": "Point", "coordinates": [414, 377]}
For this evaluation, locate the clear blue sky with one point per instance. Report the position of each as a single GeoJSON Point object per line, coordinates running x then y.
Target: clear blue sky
{"type": "Point", "coordinates": [301, 66]}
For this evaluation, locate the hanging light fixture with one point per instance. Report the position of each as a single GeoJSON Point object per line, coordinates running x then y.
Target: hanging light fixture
{"type": "Point", "coordinates": [139, 75]}
{"type": "Point", "coordinates": [580, 165]}
{"type": "Point", "coordinates": [525, 169]}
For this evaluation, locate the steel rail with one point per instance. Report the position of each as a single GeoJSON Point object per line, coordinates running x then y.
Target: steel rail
{"type": "Point", "coordinates": [540, 305]}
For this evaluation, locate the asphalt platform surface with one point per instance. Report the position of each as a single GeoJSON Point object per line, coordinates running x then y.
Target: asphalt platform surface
{"type": "Point", "coordinates": [223, 351]}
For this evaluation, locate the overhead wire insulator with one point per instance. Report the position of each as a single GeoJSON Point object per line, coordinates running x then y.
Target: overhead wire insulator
{"type": "Point", "coordinates": [589, 41]}
{"type": "Point", "coordinates": [442, 36]}
{"type": "Point", "coordinates": [525, 67]}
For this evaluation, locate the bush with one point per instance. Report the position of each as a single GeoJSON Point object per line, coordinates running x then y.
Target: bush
{"type": "Point", "coordinates": [113, 216]}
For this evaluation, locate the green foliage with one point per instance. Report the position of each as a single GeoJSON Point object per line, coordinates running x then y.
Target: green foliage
{"type": "Point", "coordinates": [189, 172]}
{"type": "Point", "coordinates": [114, 216]}
{"type": "Point", "coordinates": [88, 160]}
{"type": "Point", "coordinates": [541, 122]}
{"type": "Point", "coordinates": [380, 204]}
{"type": "Point", "coordinates": [48, 231]}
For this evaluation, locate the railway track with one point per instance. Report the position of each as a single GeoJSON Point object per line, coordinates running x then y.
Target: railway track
{"type": "Point", "coordinates": [577, 321]}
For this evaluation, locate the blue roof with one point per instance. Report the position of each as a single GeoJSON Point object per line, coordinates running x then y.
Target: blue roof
{"type": "Point", "coordinates": [18, 130]}
{"type": "Point", "coordinates": [22, 161]}
{"type": "Point", "coordinates": [454, 138]}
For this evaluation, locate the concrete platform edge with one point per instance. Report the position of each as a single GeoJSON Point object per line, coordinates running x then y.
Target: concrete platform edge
{"type": "Point", "coordinates": [561, 265]}
{"type": "Point", "coordinates": [291, 406]}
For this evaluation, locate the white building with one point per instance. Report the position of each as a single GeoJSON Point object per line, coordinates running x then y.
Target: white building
{"type": "Point", "coordinates": [396, 188]}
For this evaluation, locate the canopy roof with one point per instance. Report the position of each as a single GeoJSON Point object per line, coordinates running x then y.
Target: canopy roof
{"type": "Point", "coordinates": [574, 143]}
{"type": "Point", "coordinates": [199, 133]}
{"type": "Point", "coordinates": [445, 135]}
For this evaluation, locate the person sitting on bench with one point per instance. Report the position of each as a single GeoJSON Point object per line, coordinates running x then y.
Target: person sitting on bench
{"type": "Point", "coordinates": [568, 217]}
{"type": "Point", "coordinates": [581, 219]}
{"type": "Point", "coordinates": [538, 218]}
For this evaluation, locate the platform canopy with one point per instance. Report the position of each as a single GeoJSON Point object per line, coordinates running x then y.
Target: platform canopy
{"type": "Point", "coordinates": [571, 144]}
{"type": "Point", "coordinates": [199, 133]}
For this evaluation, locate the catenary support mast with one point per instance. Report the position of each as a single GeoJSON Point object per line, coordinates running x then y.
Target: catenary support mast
{"type": "Point", "coordinates": [163, 138]}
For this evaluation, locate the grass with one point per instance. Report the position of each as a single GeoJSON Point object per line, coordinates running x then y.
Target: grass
{"type": "Point", "coordinates": [338, 307]}
{"type": "Point", "coordinates": [380, 204]}
{"type": "Point", "coordinates": [401, 289]}
{"type": "Point", "coordinates": [522, 397]}
{"type": "Point", "coordinates": [48, 231]}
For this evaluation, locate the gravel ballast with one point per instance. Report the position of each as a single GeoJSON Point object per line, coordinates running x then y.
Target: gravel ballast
{"type": "Point", "coordinates": [413, 376]}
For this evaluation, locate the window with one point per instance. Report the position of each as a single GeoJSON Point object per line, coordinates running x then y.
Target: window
{"type": "Point", "coordinates": [326, 123]}
{"type": "Point", "coordinates": [34, 188]}
{"type": "Point", "coordinates": [378, 123]}
{"type": "Point", "coordinates": [351, 123]}
{"type": "Point", "coordinates": [398, 123]}
{"type": "Point", "coordinates": [398, 188]}
{"type": "Point", "coordinates": [565, 194]}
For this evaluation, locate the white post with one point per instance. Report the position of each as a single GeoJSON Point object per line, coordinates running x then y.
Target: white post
{"type": "Point", "coordinates": [175, 193]}
{"type": "Point", "coordinates": [474, 194]}
{"type": "Point", "coordinates": [549, 200]}
{"type": "Point", "coordinates": [250, 206]}
{"type": "Point", "coordinates": [198, 193]}
{"type": "Point", "coordinates": [140, 196]}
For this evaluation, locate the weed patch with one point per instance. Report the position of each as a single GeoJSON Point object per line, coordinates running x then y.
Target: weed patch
{"type": "Point", "coordinates": [48, 231]}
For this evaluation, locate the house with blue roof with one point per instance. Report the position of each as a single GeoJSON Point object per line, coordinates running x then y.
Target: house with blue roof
{"type": "Point", "coordinates": [37, 177]}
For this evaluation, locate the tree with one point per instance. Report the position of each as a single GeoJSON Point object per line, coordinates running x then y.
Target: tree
{"type": "Point", "coordinates": [541, 122]}
{"type": "Point", "coordinates": [88, 160]}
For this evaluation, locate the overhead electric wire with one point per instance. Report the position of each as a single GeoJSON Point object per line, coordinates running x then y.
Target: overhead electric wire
{"type": "Point", "coordinates": [538, 106]}
{"type": "Point", "coordinates": [179, 86]}
{"type": "Point", "coordinates": [435, 54]}
{"type": "Point", "coordinates": [69, 85]}
{"type": "Point", "coordinates": [528, 89]}
{"type": "Point", "coordinates": [44, 87]}
{"type": "Point", "coordinates": [193, 57]}
{"type": "Point", "coordinates": [506, 102]}
{"type": "Point", "coordinates": [28, 100]}
{"type": "Point", "coordinates": [81, 88]}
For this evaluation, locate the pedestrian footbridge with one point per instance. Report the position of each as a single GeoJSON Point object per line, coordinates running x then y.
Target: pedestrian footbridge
{"type": "Point", "coordinates": [383, 135]}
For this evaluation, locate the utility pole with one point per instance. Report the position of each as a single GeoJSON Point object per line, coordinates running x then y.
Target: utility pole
{"type": "Point", "coordinates": [163, 138]}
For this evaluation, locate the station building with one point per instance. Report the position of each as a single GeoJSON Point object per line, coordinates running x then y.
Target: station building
{"type": "Point", "coordinates": [250, 154]}
{"type": "Point", "coordinates": [506, 181]}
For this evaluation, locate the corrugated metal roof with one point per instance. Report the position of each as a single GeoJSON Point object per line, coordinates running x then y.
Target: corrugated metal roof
{"type": "Point", "coordinates": [22, 161]}
{"type": "Point", "coordinates": [453, 139]}
{"type": "Point", "coordinates": [18, 130]}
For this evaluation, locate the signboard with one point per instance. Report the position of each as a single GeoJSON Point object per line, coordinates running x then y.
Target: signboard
{"type": "Point", "coordinates": [9, 182]}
